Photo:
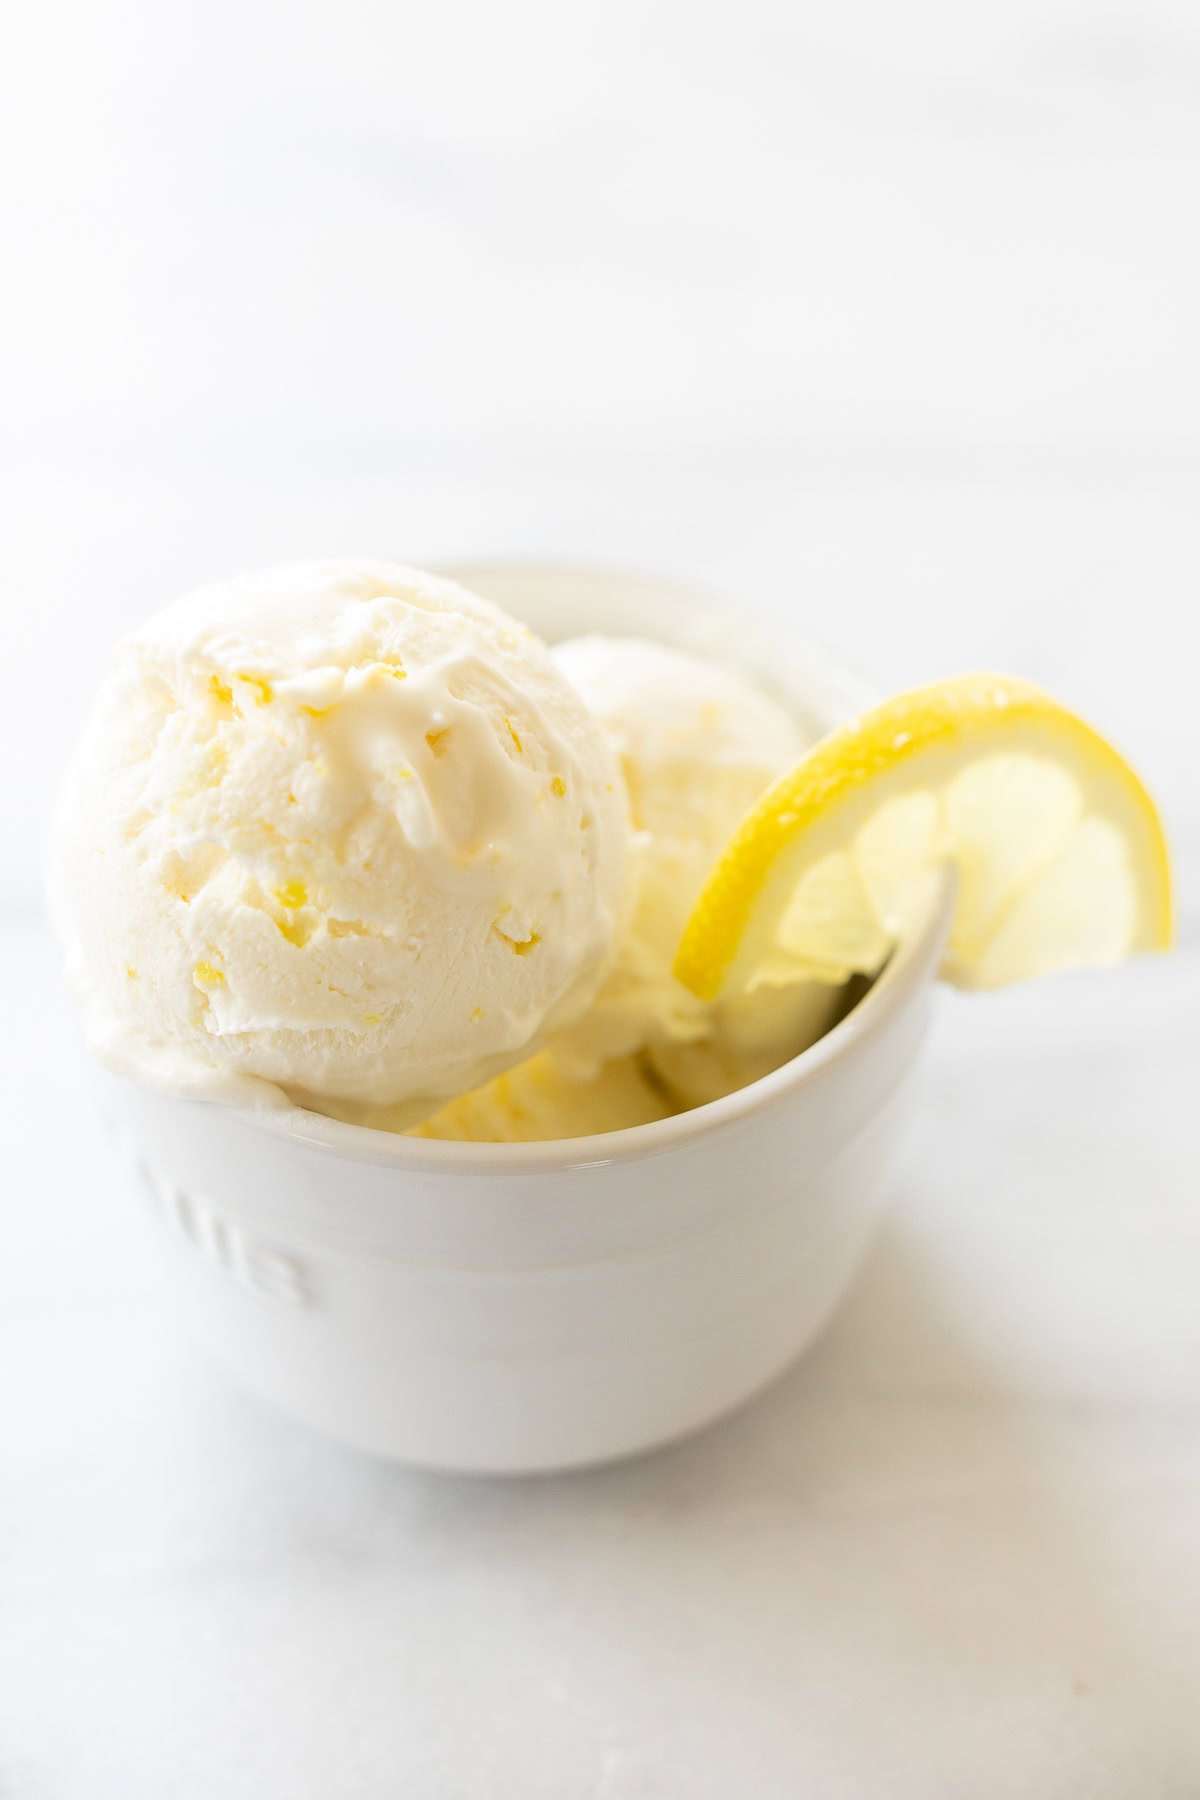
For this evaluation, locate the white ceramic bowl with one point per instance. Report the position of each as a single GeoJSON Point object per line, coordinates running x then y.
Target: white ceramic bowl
{"type": "Point", "coordinates": [512, 1307]}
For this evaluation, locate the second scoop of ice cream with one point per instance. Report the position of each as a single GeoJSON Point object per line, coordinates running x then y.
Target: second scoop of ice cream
{"type": "Point", "coordinates": [697, 741]}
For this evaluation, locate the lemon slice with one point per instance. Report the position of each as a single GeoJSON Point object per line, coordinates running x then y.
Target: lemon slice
{"type": "Point", "coordinates": [1060, 854]}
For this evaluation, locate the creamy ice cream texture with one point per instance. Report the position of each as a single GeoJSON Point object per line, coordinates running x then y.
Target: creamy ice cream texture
{"type": "Point", "coordinates": [341, 833]}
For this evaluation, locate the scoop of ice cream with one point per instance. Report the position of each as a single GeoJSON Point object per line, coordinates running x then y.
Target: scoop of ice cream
{"type": "Point", "coordinates": [697, 742]}
{"type": "Point", "coordinates": [343, 828]}
{"type": "Point", "coordinates": [538, 1100]}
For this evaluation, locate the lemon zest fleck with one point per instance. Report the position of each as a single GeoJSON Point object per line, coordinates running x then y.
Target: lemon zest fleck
{"type": "Point", "coordinates": [292, 894]}
{"type": "Point", "coordinates": [261, 686]}
{"type": "Point", "coordinates": [294, 930]}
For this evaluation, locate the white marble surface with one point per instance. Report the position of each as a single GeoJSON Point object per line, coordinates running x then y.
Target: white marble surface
{"type": "Point", "coordinates": [884, 320]}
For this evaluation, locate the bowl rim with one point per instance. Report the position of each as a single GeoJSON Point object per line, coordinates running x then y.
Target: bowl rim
{"type": "Point", "coordinates": [838, 685]}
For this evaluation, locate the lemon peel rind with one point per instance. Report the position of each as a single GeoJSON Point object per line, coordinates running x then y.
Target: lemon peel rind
{"type": "Point", "coordinates": [983, 711]}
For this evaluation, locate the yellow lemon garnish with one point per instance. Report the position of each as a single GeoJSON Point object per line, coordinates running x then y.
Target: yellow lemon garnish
{"type": "Point", "coordinates": [1060, 855]}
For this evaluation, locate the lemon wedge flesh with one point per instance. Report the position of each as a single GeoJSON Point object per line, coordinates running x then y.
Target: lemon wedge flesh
{"type": "Point", "coordinates": [1058, 849]}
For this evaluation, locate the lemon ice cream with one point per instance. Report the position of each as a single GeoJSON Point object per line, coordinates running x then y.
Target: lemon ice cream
{"type": "Point", "coordinates": [348, 836]}
{"type": "Point", "coordinates": [338, 832]}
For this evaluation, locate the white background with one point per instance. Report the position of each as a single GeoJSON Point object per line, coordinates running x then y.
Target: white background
{"type": "Point", "coordinates": [884, 320]}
